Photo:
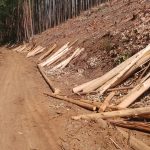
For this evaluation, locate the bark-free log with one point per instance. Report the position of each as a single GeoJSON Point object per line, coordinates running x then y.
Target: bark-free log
{"type": "Point", "coordinates": [97, 104]}
{"type": "Point", "coordinates": [36, 51]}
{"type": "Point", "coordinates": [64, 63]}
{"type": "Point", "coordinates": [54, 59]}
{"type": "Point", "coordinates": [47, 79]}
{"type": "Point", "coordinates": [96, 83]}
{"type": "Point", "coordinates": [21, 49]}
{"type": "Point", "coordinates": [119, 113]}
{"type": "Point", "coordinates": [106, 101]}
{"type": "Point", "coordinates": [54, 55]}
{"type": "Point", "coordinates": [134, 94]}
{"type": "Point", "coordinates": [122, 73]}
{"type": "Point", "coordinates": [120, 88]}
{"type": "Point", "coordinates": [77, 102]}
{"type": "Point", "coordinates": [47, 53]}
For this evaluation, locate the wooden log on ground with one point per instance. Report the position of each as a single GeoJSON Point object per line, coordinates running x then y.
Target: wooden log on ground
{"type": "Point", "coordinates": [96, 83]}
{"type": "Point", "coordinates": [134, 143]}
{"type": "Point", "coordinates": [114, 114]}
{"type": "Point", "coordinates": [97, 104]}
{"type": "Point", "coordinates": [122, 73]}
{"type": "Point", "coordinates": [16, 48]}
{"type": "Point", "coordinates": [61, 50]}
{"type": "Point", "coordinates": [21, 49]}
{"type": "Point", "coordinates": [106, 102]}
{"type": "Point", "coordinates": [36, 51]}
{"type": "Point", "coordinates": [74, 42]}
{"type": "Point", "coordinates": [120, 88]}
{"type": "Point", "coordinates": [27, 49]}
{"type": "Point", "coordinates": [54, 59]}
{"type": "Point", "coordinates": [144, 71]}
{"type": "Point", "coordinates": [64, 63]}
{"type": "Point", "coordinates": [135, 125]}
{"type": "Point", "coordinates": [77, 102]}
{"type": "Point", "coordinates": [143, 117]}
{"type": "Point", "coordinates": [54, 90]}
{"type": "Point", "coordinates": [144, 59]}
{"type": "Point", "coordinates": [47, 53]}
{"type": "Point", "coordinates": [145, 78]}
{"type": "Point", "coordinates": [134, 94]}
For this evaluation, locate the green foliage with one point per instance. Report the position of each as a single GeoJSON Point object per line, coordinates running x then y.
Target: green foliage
{"type": "Point", "coordinates": [7, 9]}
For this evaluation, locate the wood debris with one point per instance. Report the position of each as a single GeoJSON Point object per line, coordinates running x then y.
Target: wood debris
{"type": "Point", "coordinates": [116, 75]}
{"type": "Point", "coordinates": [108, 85]}
{"type": "Point", "coordinates": [47, 53]}
{"type": "Point", "coordinates": [77, 102]}
{"type": "Point", "coordinates": [64, 63]}
{"type": "Point", "coordinates": [115, 114]}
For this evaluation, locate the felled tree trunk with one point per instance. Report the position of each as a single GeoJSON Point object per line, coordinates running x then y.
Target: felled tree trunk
{"type": "Point", "coordinates": [114, 114]}
{"type": "Point", "coordinates": [143, 56]}
{"type": "Point", "coordinates": [77, 102]}
{"type": "Point", "coordinates": [47, 53]}
{"type": "Point", "coordinates": [134, 94]}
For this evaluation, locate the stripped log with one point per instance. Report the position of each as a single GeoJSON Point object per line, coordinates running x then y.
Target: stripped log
{"type": "Point", "coordinates": [134, 143]}
{"type": "Point", "coordinates": [145, 78]}
{"type": "Point", "coordinates": [135, 125]}
{"type": "Point", "coordinates": [121, 74]}
{"type": "Point", "coordinates": [64, 63]}
{"type": "Point", "coordinates": [21, 48]}
{"type": "Point", "coordinates": [97, 104]}
{"type": "Point", "coordinates": [16, 48]}
{"type": "Point", "coordinates": [54, 90]}
{"type": "Point", "coordinates": [144, 116]}
{"type": "Point", "coordinates": [144, 71]}
{"type": "Point", "coordinates": [54, 55]}
{"type": "Point", "coordinates": [36, 51]}
{"type": "Point", "coordinates": [96, 83]}
{"type": "Point", "coordinates": [113, 114]}
{"type": "Point", "coordinates": [120, 88]}
{"type": "Point", "coordinates": [54, 59]}
{"type": "Point", "coordinates": [74, 42]}
{"type": "Point", "coordinates": [27, 49]}
{"type": "Point", "coordinates": [47, 53]}
{"type": "Point", "coordinates": [134, 94]}
{"type": "Point", "coordinates": [77, 102]}
{"type": "Point", "coordinates": [106, 102]}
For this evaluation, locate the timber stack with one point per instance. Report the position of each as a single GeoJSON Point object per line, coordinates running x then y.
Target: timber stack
{"type": "Point", "coordinates": [116, 110]}
{"type": "Point", "coordinates": [119, 110]}
{"type": "Point", "coordinates": [109, 86]}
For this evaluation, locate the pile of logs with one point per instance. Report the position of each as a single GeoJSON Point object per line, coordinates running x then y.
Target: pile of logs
{"type": "Point", "coordinates": [107, 86]}
{"type": "Point", "coordinates": [120, 114]}
{"type": "Point", "coordinates": [50, 61]}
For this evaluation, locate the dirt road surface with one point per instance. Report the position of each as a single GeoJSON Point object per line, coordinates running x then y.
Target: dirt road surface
{"type": "Point", "coordinates": [24, 118]}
